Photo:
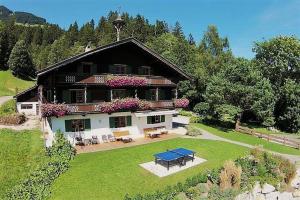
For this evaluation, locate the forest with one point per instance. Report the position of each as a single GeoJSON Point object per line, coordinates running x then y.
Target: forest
{"type": "Point", "coordinates": [225, 88]}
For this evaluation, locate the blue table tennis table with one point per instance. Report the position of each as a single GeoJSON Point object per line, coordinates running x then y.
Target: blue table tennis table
{"type": "Point", "coordinates": [178, 155]}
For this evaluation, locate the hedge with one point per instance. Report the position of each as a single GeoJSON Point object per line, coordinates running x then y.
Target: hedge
{"type": "Point", "coordinates": [37, 185]}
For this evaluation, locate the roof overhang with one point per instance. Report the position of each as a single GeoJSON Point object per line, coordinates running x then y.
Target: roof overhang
{"type": "Point", "coordinates": [110, 46]}
{"type": "Point", "coordinates": [154, 113]}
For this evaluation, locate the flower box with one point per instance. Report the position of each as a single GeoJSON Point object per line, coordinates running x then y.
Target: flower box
{"type": "Point", "coordinates": [57, 110]}
{"type": "Point", "coordinates": [119, 81]}
{"type": "Point", "coordinates": [181, 103]}
{"type": "Point", "coordinates": [126, 104]}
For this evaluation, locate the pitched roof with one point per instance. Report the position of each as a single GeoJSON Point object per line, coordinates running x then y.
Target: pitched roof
{"type": "Point", "coordinates": [109, 46]}
{"type": "Point", "coordinates": [25, 91]}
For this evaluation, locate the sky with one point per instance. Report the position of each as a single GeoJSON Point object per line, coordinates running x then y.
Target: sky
{"type": "Point", "coordinates": [244, 22]}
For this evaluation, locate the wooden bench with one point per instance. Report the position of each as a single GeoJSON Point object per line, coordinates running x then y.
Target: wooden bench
{"type": "Point", "coordinates": [119, 134]}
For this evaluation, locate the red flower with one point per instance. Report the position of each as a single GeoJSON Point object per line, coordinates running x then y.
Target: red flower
{"type": "Point", "coordinates": [118, 81]}
{"type": "Point", "coordinates": [181, 103]}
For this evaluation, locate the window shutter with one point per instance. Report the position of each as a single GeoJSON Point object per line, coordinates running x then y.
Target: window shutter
{"type": "Point", "coordinates": [68, 125]}
{"type": "Point", "coordinates": [162, 118]}
{"type": "Point", "coordinates": [129, 121]}
{"type": "Point", "coordinates": [149, 120]}
{"type": "Point", "coordinates": [112, 122]}
{"type": "Point", "coordinates": [87, 124]}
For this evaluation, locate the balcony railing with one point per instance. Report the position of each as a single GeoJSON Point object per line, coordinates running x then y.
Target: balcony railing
{"type": "Point", "coordinates": [101, 79]}
{"type": "Point", "coordinates": [95, 107]}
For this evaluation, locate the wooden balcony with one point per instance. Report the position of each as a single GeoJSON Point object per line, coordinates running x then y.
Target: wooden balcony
{"type": "Point", "coordinates": [95, 107]}
{"type": "Point", "coordinates": [101, 79]}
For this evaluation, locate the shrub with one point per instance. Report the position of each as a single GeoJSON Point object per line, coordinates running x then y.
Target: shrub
{"type": "Point", "coordinates": [8, 108]}
{"type": "Point", "coordinates": [37, 185]}
{"type": "Point", "coordinates": [193, 131]}
{"type": "Point", "coordinates": [230, 176]}
{"type": "Point", "coordinates": [186, 113]}
{"type": "Point", "coordinates": [195, 119]}
{"type": "Point", "coordinates": [13, 119]}
{"type": "Point", "coordinates": [216, 193]}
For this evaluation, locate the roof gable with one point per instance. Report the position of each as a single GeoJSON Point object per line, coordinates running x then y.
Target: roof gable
{"type": "Point", "coordinates": [110, 46]}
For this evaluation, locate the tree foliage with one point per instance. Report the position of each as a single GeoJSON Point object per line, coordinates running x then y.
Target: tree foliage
{"type": "Point", "coordinates": [20, 61]}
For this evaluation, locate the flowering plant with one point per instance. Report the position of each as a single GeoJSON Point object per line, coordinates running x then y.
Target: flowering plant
{"type": "Point", "coordinates": [181, 103]}
{"type": "Point", "coordinates": [124, 104]}
{"type": "Point", "coordinates": [117, 81]}
{"type": "Point", "coordinates": [57, 110]}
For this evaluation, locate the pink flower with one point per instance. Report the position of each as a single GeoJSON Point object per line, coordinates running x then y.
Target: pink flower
{"type": "Point", "coordinates": [57, 110]}
{"type": "Point", "coordinates": [126, 104]}
{"type": "Point", "coordinates": [181, 103]}
{"type": "Point", "coordinates": [118, 81]}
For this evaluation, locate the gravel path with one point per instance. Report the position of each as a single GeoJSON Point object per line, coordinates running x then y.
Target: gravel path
{"type": "Point", "coordinates": [209, 136]}
{"type": "Point", "coordinates": [5, 99]}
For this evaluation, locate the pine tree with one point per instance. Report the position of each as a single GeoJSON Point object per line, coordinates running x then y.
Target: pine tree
{"type": "Point", "coordinates": [20, 61]}
{"type": "Point", "coordinates": [177, 31]}
{"type": "Point", "coordinates": [191, 39]}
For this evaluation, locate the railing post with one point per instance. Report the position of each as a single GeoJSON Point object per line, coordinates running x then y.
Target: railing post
{"type": "Point", "coordinates": [135, 94]}
{"type": "Point", "coordinates": [111, 94]}
{"type": "Point", "coordinates": [85, 94]}
{"type": "Point", "coordinates": [156, 94]}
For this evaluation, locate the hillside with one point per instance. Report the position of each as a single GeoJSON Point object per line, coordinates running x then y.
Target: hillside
{"type": "Point", "coordinates": [9, 83]}
{"type": "Point", "coordinates": [21, 17]}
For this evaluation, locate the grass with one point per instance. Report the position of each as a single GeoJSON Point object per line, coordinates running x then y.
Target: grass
{"type": "Point", "coordinates": [8, 108]}
{"type": "Point", "coordinates": [20, 152]}
{"type": "Point", "coordinates": [262, 129]}
{"type": "Point", "coordinates": [109, 175]}
{"type": "Point", "coordinates": [9, 83]}
{"type": "Point", "coordinates": [248, 139]}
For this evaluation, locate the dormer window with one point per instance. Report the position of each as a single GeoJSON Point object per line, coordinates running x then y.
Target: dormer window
{"type": "Point", "coordinates": [145, 70]}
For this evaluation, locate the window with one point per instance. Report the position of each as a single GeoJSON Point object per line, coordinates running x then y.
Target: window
{"type": "Point", "coordinates": [76, 125]}
{"type": "Point", "coordinates": [145, 70]}
{"type": "Point", "coordinates": [155, 119]}
{"type": "Point", "coordinates": [118, 122]}
{"type": "Point", "coordinates": [86, 68]}
{"type": "Point", "coordinates": [26, 106]}
{"type": "Point", "coordinates": [151, 94]}
{"type": "Point", "coordinates": [120, 69]}
{"type": "Point", "coordinates": [77, 96]}
{"type": "Point", "coordinates": [119, 94]}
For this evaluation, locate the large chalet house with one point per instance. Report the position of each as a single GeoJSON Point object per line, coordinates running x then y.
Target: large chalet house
{"type": "Point", "coordinates": [123, 87]}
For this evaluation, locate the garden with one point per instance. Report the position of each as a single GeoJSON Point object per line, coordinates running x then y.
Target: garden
{"type": "Point", "coordinates": [112, 174]}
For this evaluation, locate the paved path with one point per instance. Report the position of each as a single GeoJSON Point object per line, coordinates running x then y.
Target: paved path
{"type": "Point", "coordinates": [209, 136]}
{"type": "Point", "coordinates": [4, 99]}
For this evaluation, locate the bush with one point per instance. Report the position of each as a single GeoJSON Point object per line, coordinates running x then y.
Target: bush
{"type": "Point", "coordinates": [37, 185]}
{"type": "Point", "coordinates": [186, 113]}
{"type": "Point", "coordinates": [230, 176]}
{"type": "Point", "coordinates": [193, 131]}
{"type": "Point", "coordinates": [13, 119]}
{"type": "Point", "coordinates": [195, 119]}
{"type": "Point", "coordinates": [8, 108]}
{"type": "Point", "coordinates": [216, 193]}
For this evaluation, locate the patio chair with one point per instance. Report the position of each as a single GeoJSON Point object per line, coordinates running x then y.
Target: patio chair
{"type": "Point", "coordinates": [111, 138]}
{"type": "Point", "coordinates": [95, 139]}
{"type": "Point", "coordinates": [79, 140]}
{"type": "Point", "coordinates": [104, 138]}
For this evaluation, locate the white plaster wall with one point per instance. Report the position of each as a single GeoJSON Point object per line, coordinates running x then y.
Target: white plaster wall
{"type": "Point", "coordinates": [100, 125]}
{"type": "Point", "coordinates": [27, 111]}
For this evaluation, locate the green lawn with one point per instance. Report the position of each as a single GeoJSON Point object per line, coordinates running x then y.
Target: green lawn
{"type": "Point", "coordinates": [9, 83]}
{"type": "Point", "coordinates": [20, 152]}
{"type": "Point", "coordinates": [112, 174]}
{"type": "Point", "coordinates": [248, 139]}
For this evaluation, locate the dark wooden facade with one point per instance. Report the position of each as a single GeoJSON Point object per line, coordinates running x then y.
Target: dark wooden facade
{"type": "Point", "coordinates": [81, 80]}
